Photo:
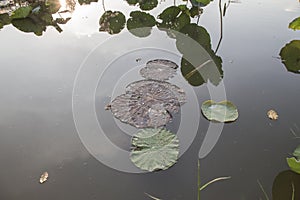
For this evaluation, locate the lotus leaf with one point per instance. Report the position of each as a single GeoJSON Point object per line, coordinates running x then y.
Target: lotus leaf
{"type": "Point", "coordinates": [295, 24]}
{"type": "Point", "coordinates": [223, 111]}
{"type": "Point", "coordinates": [286, 186]}
{"type": "Point", "coordinates": [159, 69]}
{"type": "Point", "coordinates": [154, 149]}
{"type": "Point", "coordinates": [290, 56]}
{"type": "Point", "coordinates": [147, 104]}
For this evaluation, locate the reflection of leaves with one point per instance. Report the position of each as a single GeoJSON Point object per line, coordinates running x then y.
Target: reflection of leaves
{"type": "Point", "coordinates": [200, 2]}
{"type": "Point", "coordinates": [144, 4]}
{"type": "Point", "coordinates": [173, 18]}
{"type": "Point", "coordinates": [112, 22]}
{"type": "Point", "coordinates": [199, 71]}
{"type": "Point", "coordinates": [28, 25]}
{"type": "Point", "coordinates": [290, 56]}
{"type": "Point", "coordinates": [223, 111]}
{"type": "Point", "coordinates": [53, 6]}
{"type": "Point", "coordinates": [86, 1]}
{"type": "Point", "coordinates": [4, 20]}
{"type": "Point", "coordinates": [295, 24]}
{"type": "Point", "coordinates": [140, 23]}
{"type": "Point", "coordinates": [154, 149]}
{"type": "Point", "coordinates": [21, 12]}
{"type": "Point", "coordinates": [286, 185]}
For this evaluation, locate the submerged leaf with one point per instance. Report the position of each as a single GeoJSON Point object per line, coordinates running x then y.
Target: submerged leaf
{"type": "Point", "coordinates": [286, 186]}
{"type": "Point", "coordinates": [44, 177]}
{"type": "Point", "coordinates": [272, 114]}
{"type": "Point", "coordinates": [148, 103]}
{"type": "Point", "coordinates": [159, 69]}
{"type": "Point", "coordinates": [290, 56]}
{"type": "Point", "coordinates": [295, 24]}
{"type": "Point", "coordinates": [223, 111]}
{"type": "Point", "coordinates": [154, 149]}
{"type": "Point", "coordinates": [112, 22]}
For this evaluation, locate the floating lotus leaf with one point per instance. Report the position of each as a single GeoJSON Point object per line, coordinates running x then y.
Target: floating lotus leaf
{"type": "Point", "coordinates": [159, 69]}
{"type": "Point", "coordinates": [140, 23]}
{"type": "Point", "coordinates": [290, 56]}
{"type": "Point", "coordinates": [154, 149]}
{"type": "Point", "coordinates": [147, 103]}
{"type": "Point", "coordinates": [294, 162]}
{"type": "Point", "coordinates": [295, 24]}
{"type": "Point", "coordinates": [223, 111]}
{"type": "Point", "coordinates": [112, 22]}
{"type": "Point", "coordinates": [175, 90]}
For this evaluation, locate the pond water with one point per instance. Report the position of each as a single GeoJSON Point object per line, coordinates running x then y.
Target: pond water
{"type": "Point", "coordinates": [53, 81]}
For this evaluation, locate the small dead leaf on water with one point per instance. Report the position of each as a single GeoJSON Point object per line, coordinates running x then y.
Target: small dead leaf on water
{"type": "Point", "coordinates": [44, 177]}
{"type": "Point", "coordinates": [272, 114]}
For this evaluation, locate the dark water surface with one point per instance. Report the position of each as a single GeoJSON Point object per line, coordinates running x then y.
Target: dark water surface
{"type": "Point", "coordinates": [38, 132]}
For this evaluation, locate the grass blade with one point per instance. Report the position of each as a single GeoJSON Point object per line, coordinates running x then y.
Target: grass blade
{"type": "Point", "coordinates": [214, 180]}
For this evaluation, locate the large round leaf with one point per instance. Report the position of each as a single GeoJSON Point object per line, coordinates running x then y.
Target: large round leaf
{"type": "Point", "coordinates": [286, 185]}
{"type": "Point", "coordinates": [223, 111]}
{"type": "Point", "coordinates": [290, 56]}
{"type": "Point", "coordinates": [294, 162]}
{"type": "Point", "coordinates": [154, 149]}
{"type": "Point", "coordinates": [112, 22]}
{"type": "Point", "coordinates": [140, 23]}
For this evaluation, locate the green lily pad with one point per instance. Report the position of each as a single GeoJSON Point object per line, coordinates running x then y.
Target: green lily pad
{"type": "Point", "coordinates": [286, 185]}
{"type": "Point", "coordinates": [112, 22]}
{"type": "Point", "coordinates": [140, 24]}
{"type": "Point", "coordinates": [154, 149]}
{"type": "Point", "coordinates": [223, 111]}
{"type": "Point", "coordinates": [21, 12]}
{"type": "Point", "coordinates": [295, 24]}
{"type": "Point", "coordinates": [144, 4]}
{"type": "Point", "coordinates": [290, 56]}
{"type": "Point", "coordinates": [294, 164]}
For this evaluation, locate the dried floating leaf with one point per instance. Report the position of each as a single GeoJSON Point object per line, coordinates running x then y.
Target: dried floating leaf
{"type": "Point", "coordinates": [44, 177]}
{"type": "Point", "coordinates": [148, 103]}
{"type": "Point", "coordinates": [159, 69]}
{"type": "Point", "coordinates": [272, 114]}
